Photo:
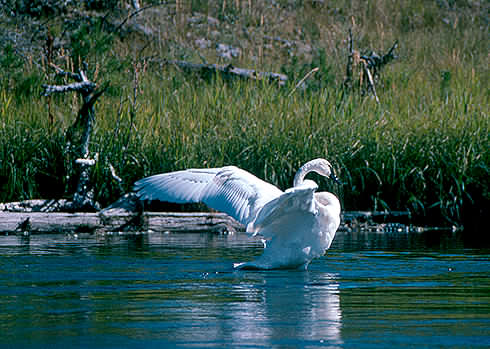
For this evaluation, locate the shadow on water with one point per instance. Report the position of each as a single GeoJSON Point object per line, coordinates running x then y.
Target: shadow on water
{"type": "Point", "coordinates": [167, 290]}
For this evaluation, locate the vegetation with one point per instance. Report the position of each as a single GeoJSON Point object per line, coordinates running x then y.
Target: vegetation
{"type": "Point", "coordinates": [424, 147]}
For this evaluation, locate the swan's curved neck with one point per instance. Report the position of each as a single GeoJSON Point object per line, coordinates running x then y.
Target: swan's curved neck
{"type": "Point", "coordinates": [301, 174]}
{"type": "Point", "coordinates": [320, 166]}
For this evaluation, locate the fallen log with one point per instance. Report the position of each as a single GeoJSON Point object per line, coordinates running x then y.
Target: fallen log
{"type": "Point", "coordinates": [226, 71]}
{"type": "Point", "coordinates": [121, 220]}
{"type": "Point", "coordinates": [354, 217]}
{"type": "Point", "coordinates": [89, 222]}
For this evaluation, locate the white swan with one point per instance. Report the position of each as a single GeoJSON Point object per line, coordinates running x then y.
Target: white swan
{"type": "Point", "coordinates": [296, 225]}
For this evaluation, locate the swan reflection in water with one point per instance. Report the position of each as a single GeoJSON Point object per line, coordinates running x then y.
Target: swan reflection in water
{"type": "Point", "coordinates": [258, 308]}
{"type": "Point", "coordinates": [170, 290]}
{"type": "Point", "coordinates": [292, 310]}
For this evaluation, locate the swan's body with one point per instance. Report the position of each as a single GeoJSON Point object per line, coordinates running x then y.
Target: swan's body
{"type": "Point", "coordinates": [297, 225]}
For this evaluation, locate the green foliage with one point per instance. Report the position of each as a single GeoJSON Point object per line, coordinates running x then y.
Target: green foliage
{"type": "Point", "coordinates": [323, 78]}
{"type": "Point", "coordinates": [89, 41]}
{"type": "Point", "coordinates": [101, 4]}
{"type": "Point", "coordinates": [9, 60]}
{"type": "Point", "coordinates": [10, 64]}
{"type": "Point", "coordinates": [35, 8]}
{"type": "Point", "coordinates": [423, 148]}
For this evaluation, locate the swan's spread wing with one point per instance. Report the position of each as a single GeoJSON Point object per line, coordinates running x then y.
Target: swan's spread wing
{"type": "Point", "coordinates": [228, 189]}
{"type": "Point", "coordinates": [238, 193]}
{"type": "Point", "coordinates": [179, 187]}
{"type": "Point", "coordinates": [293, 202]}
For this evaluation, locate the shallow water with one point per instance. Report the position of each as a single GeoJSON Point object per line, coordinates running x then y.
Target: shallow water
{"type": "Point", "coordinates": [179, 290]}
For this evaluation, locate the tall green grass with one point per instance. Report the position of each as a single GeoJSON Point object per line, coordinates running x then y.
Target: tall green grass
{"type": "Point", "coordinates": [423, 148]}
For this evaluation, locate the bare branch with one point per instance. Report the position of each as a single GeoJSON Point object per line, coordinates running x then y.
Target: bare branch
{"type": "Point", "coordinates": [136, 12]}
{"type": "Point", "coordinates": [376, 62]}
{"type": "Point", "coordinates": [368, 67]}
{"type": "Point", "coordinates": [84, 87]}
{"type": "Point", "coordinates": [314, 70]}
{"type": "Point", "coordinates": [350, 59]}
{"type": "Point", "coordinates": [82, 128]}
{"type": "Point", "coordinates": [371, 82]}
{"type": "Point", "coordinates": [61, 72]}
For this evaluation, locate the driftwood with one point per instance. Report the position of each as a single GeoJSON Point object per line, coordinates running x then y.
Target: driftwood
{"type": "Point", "coordinates": [368, 66]}
{"type": "Point", "coordinates": [126, 216]}
{"type": "Point", "coordinates": [63, 222]}
{"type": "Point", "coordinates": [83, 198]}
{"type": "Point", "coordinates": [227, 71]}
{"type": "Point", "coordinates": [40, 205]}
{"type": "Point", "coordinates": [27, 223]}
{"type": "Point", "coordinates": [352, 217]}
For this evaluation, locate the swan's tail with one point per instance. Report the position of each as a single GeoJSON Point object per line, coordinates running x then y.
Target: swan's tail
{"type": "Point", "coordinates": [249, 266]}
{"type": "Point", "coordinates": [259, 266]}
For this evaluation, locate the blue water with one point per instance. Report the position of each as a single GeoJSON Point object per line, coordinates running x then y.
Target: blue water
{"type": "Point", "coordinates": [179, 290]}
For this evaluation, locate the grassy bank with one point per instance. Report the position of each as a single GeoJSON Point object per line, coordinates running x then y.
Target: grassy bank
{"type": "Point", "coordinates": [423, 148]}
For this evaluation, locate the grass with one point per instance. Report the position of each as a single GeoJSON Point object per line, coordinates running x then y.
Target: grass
{"type": "Point", "coordinates": [423, 148]}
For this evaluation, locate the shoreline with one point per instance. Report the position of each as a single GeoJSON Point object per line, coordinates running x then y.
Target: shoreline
{"type": "Point", "coordinates": [125, 222]}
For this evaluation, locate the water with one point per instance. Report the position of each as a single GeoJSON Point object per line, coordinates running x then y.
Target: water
{"type": "Point", "coordinates": [179, 290]}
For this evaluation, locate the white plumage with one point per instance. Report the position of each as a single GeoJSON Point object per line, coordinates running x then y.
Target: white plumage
{"type": "Point", "coordinates": [296, 225]}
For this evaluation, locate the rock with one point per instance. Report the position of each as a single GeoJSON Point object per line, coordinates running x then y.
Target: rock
{"type": "Point", "coordinates": [214, 34]}
{"type": "Point", "coordinates": [228, 51]}
{"type": "Point", "coordinates": [213, 21]}
{"type": "Point", "coordinates": [202, 43]}
{"type": "Point", "coordinates": [196, 19]}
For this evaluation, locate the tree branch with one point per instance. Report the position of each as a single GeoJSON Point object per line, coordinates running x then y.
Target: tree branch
{"type": "Point", "coordinates": [368, 67]}
{"type": "Point", "coordinates": [82, 128]}
{"type": "Point", "coordinates": [84, 87]}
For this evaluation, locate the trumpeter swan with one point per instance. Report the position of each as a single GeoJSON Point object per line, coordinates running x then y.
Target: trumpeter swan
{"type": "Point", "coordinates": [296, 225]}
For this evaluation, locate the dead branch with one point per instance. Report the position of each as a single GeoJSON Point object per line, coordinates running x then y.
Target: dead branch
{"type": "Point", "coordinates": [84, 87]}
{"type": "Point", "coordinates": [350, 60]}
{"type": "Point", "coordinates": [375, 62]}
{"type": "Point", "coordinates": [368, 67]}
{"type": "Point", "coordinates": [301, 82]}
{"type": "Point", "coordinates": [81, 129]}
{"type": "Point", "coordinates": [370, 80]}
{"type": "Point", "coordinates": [137, 11]}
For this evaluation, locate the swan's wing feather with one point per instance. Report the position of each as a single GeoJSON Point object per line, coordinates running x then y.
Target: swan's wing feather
{"type": "Point", "coordinates": [228, 189]}
{"type": "Point", "coordinates": [238, 193]}
{"type": "Point", "coordinates": [296, 200]}
{"type": "Point", "coordinates": [179, 187]}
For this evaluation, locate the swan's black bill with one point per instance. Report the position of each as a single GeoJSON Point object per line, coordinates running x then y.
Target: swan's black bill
{"type": "Point", "coordinates": [335, 178]}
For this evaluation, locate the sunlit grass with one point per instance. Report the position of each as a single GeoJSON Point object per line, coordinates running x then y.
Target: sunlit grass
{"type": "Point", "coordinates": [423, 148]}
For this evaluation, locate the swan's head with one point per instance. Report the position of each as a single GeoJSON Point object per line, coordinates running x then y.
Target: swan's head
{"type": "Point", "coordinates": [325, 169]}
{"type": "Point", "coordinates": [320, 166]}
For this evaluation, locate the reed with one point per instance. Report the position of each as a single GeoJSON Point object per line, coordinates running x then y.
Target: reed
{"type": "Point", "coordinates": [423, 148]}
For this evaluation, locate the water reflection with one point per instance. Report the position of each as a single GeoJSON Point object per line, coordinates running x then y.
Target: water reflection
{"type": "Point", "coordinates": [260, 308]}
{"type": "Point", "coordinates": [279, 309]}
{"type": "Point", "coordinates": [161, 290]}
